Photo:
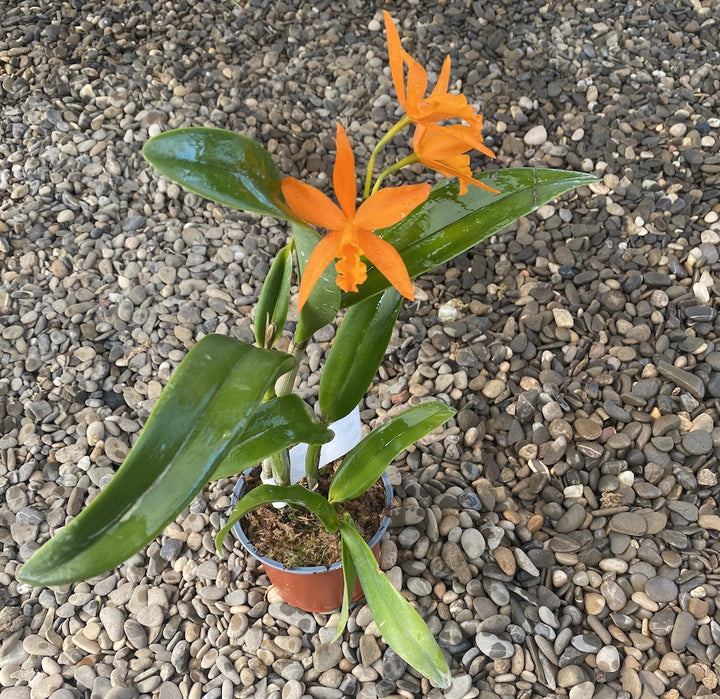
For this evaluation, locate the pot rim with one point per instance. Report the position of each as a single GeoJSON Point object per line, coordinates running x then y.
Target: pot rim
{"type": "Point", "coordinates": [304, 570]}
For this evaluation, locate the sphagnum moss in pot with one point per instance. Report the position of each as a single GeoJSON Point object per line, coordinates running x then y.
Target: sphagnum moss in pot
{"type": "Point", "coordinates": [301, 559]}
{"type": "Point", "coordinates": [230, 404]}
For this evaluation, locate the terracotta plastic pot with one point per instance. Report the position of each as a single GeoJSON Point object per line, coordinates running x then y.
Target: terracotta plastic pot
{"type": "Point", "coordinates": [312, 588]}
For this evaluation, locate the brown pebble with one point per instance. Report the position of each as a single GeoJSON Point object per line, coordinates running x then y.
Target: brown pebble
{"type": "Point", "coordinates": [535, 523]}
{"type": "Point", "coordinates": [709, 522]}
{"type": "Point", "coordinates": [594, 603]}
{"type": "Point", "coordinates": [699, 608]}
{"type": "Point", "coordinates": [506, 560]}
{"type": "Point", "coordinates": [59, 269]}
{"type": "Point", "coordinates": [587, 429]}
{"type": "Point", "coordinates": [454, 557]}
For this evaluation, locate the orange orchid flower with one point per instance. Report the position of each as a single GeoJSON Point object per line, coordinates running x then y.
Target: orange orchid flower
{"type": "Point", "coordinates": [351, 235]}
{"type": "Point", "coordinates": [439, 104]}
{"type": "Point", "coordinates": [446, 152]}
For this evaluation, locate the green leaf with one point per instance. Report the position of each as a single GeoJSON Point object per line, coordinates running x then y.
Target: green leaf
{"type": "Point", "coordinates": [291, 494]}
{"type": "Point", "coordinates": [402, 627]}
{"type": "Point", "coordinates": [272, 305]}
{"type": "Point", "coordinates": [357, 350]}
{"type": "Point", "coordinates": [278, 424]}
{"type": "Point", "coordinates": [226, 167]}
{"type": "Point", "coordinates": [448, 224]}
{"type": "Point", "coordinates": [324, 300]}
{"type": "Point", "coordinates": [366, 461]}
{"type": "Point", "coordinates": [349, 578]}
{"type": "Point", "coordinates": [198, 419]}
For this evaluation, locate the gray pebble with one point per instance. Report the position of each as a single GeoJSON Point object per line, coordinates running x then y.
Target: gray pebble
{"type": "Point", "coordinates": [661, 589]}
{"type": "Point", "coordinates": [571, 519]}
{"type": "Point", "coordinates": [326, 656]}
{"type": "Point", "coordinates": [167, 690]}
{"type": "Point", "coordinates": [608, 659]}
{"type": "Point", "coordinates": [284, 612]}
{"type": "Point", "coordinates": [697, 442]}
{"type": "Point", "coordinates": [584, 690]}
{"type": "Point", "coordinates": [682, 630]}
{"type": "Point", "coordinates": [628, 523]}
{"type": "Point", "coordinates": [493, 646]}
{"type": "Point", "coordinates": [570, 675]}
{"type": "Point", "coordinates": [393, 665]}
{"type": "Point", "coordinates": [472, 542]}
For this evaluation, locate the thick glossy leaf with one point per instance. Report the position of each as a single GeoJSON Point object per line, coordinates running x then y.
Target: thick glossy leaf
{"type": "Point", "coordinates": [357, 350]}
{"type": "Point", "coordinates": [291, 494]}
{"type": "Point", "coordinates": [349, 578]}
{"type": "Point", "coordinates": [324, 300]}
{"type": "Point", "coordinates": [226, 167]}
{"type": "Point", "coordinates": [401, 626]}
{"type": "Point", "coordinates": [198, 419]}
{"type": "Point", "coordinates": [278, 424]}
{"type": "Point", "coordinates": [272, 306]}
{"type": "Point", "coordinates": [448, 224]}
{"type": "Point", "coordinates": [366, 461]}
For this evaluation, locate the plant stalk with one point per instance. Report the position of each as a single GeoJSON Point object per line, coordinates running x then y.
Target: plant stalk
{"type": "Point", "coordinates": [312, 461]}
{"type": "Point", "coordinates": [408, 160]}
{"type": "Point", "coordinates": [277, 466]}
{"type": "Point", "coordinates": [394, 129]}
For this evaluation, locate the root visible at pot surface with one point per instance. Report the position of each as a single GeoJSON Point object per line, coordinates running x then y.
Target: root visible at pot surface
{"type": "Point", "coordinates": [296, 538]}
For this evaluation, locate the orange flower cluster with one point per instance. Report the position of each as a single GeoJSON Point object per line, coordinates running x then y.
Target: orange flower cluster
{"type": "Point", "coordinates": [441, 147]}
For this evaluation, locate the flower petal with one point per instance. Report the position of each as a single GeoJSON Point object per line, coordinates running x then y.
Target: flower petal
{"type": "Point", "coordinates": [395, 54]}
{"type": "Point", "coordinates": [416, 86]}
{"type": "Point", "coordinates": [311, 205]}
{"type": "Point", "coordinates": [439, 104]}
{"type": "Point", "coordinates": [444, 152]}
{"type": "Point", "coordinates": [437, 144]}
{"type": "Point", "coordinates": [441, 86]}
{"type": "Point", "coordinates": [484, 186]}
{"type": "Point", "coordinates": [471, 135]}
{"type": "Point", "coordinates": [456, 166]}
{"type": "Point", "coordinates": [344, 174]}
{"type": "Point", "coordinates": [389, 205]}
{"type": "Point", "coordinates": [387, 259]}
{"type": "Point", "coordinates": [323, 254]}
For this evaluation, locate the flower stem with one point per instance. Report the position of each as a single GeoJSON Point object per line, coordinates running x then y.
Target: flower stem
{"type": "Point", "coordinates": [394, 129]}
{"type": "Point", "coordinates": [409, 160]}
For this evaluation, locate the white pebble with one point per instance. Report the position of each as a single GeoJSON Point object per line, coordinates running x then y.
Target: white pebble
{"type": "Point", "coordinates": [608, 659]}
{"type": "Point", "coordinates": [701, 292]}
{"type": "Point", "coordinates": [626, 478]}
{"type": "Point", "coordinates": [536, 136]}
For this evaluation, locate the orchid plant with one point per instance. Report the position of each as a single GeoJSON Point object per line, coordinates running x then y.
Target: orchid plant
{"type": "Point", "coordinates": [230, 404]}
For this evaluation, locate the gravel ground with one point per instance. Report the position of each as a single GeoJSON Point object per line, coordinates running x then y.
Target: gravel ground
{"type": "Point", "coordinates": [562, 536]}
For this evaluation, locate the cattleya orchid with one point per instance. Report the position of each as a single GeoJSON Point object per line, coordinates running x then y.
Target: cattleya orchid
{"type": "Point", "coordinates": [351, 230]}
{"type": "Point", "coordinates": [231, 405]}
{"type": "Point", "coordinates": [439, 104]}
{"type": "Point", "coordinates": [444, 150]}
